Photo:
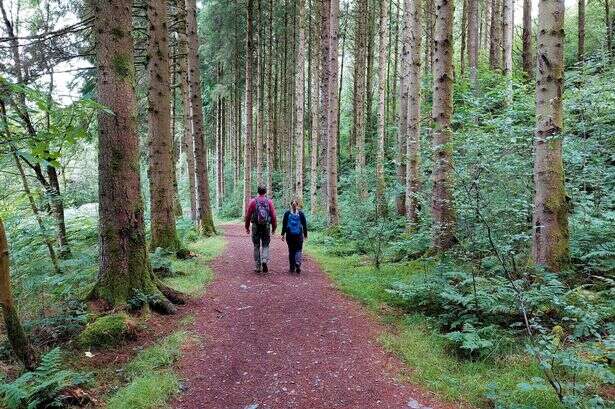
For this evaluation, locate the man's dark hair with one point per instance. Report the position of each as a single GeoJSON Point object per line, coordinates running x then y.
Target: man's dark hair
{"type": "Point", "coordinates": [262, 190]}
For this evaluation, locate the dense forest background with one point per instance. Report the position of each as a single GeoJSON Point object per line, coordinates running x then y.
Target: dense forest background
{"type": "Point", "coordinates": [456, 158]}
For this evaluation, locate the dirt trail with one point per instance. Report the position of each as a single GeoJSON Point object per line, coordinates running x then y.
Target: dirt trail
{"type": "Point", "coordinates": [287, 341]}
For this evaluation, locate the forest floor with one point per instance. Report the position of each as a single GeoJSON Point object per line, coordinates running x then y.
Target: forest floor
{"type": "Point", "coordinates": [281, 340]}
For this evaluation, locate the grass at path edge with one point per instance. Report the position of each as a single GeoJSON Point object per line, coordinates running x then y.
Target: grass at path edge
{"type": "Point", "coordinates": [419, 345]}
{"type": "Point", "coordinates": [152, 381]}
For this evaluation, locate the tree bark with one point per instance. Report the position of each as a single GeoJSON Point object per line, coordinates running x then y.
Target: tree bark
{"type": "Point", "coordinates": [332, 210]}
{"type": "Point", "coordinates": [609, 26]}
{"type": "Point", "coordinates": [507, 44]}
{"type": "Point", "coordinates": [204, 214]}
{"type": "Point", "coordinates": [247, 171]}
{"type": "Point", "coordinates": [442, 206]}
{"type": "Point", "coordinates": [188, 135]}
{"type": "Point", "coordinates": [413, 122]}
{"type": "Point", "coordinates": [316, 73]}
{"type": "Point", "coordinates": [464, 32]}
{"type": "Point", "coordinates": [14, 331]}
{"type": "Point", "coordinates": [270, 102]}
{"type": "Point", "coordinates": [550, 221]}
{"type": "Point", "coordinates": [124, 263]}
{"type": "Point", "coordinates": [528, 65]}
{"type": "Point", "coordinates": [299, 101]}
{"type": "Point", "coordinates": [381, 202]}
{"type": "Point", "coordinates": [359, 91]}
{"type": "Point", "coordinates": [473, 41]}
{"type": "Point", "coordinates": [161, 161]}
{"type": "Point", "coordinates": [495, 35]}
{"type": "Point", "coordinates": [581, 34]}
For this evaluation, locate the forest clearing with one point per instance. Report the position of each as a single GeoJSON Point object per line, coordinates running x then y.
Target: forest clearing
{"type": "Point", "coordinates": [162, 162]}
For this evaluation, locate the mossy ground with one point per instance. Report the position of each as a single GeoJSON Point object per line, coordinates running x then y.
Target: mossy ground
{"type": "Point", "coordinates": [421, 346]}
{"type": "Point", "coordinates": [106, 330]}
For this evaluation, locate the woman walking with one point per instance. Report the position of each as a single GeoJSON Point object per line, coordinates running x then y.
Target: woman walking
{"type": "Point", "coordinates": [294, 226]}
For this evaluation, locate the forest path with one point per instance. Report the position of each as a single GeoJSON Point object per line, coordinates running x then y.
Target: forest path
{"type": "Point", "coordinates": [283, 340]}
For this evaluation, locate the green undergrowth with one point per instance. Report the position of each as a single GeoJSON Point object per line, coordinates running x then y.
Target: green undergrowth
{"type": "Point", "coordinates": [195, 273]}
{"type": "Point", "coordinates": [421, 346]}
{"type": "Point", "coordinates": [151, 380]}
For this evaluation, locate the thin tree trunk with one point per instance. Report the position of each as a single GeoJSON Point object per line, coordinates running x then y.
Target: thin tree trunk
{"type": "Point", "coordinates": [473, 39]}
{"type": "Point", "coordinates": [332, 211]}
{"type": "Point", "coordinates": [188, 135]}
{"type": "Point", "coordinates": [247, 171]}
{"type": "Point", "coordinates": [442, 206]}
{"type": "Point", "coordinates": [609, 26]}
{"type": "Point", "coordinates": [39, 220]}
{"type": "Point", "coordinates": [14, 331]}
{"type": "Point", "coordinates": [464, 32]}
{"type": "Point", "coordinates": [299, 100]}
{"type": "Point", "coordinates": [359, 93]}
{"type": "Point", "coordinates": [270, 102]}
{"type": "Point", "coordinates": [550, 221]}
{"type": "Point", "coordinates": [325, 82]}
{"type": "Point", "coordinates": [382, 75]}
{"type": "Point", "coordinates": [507, 44]}
{"type": "Point", "coordinates": [204, 214]}
{"type": "Point", "coordinates": [50, 184]}
{"type": "Point", "coordinates": [316, 73]}
{"type": "Point", "coordinates": [581, 36]}
{"type": "Point", "coordinates": [413, 181]}
{"type": "Point", "coordinates": [495, 45]}
{"type": "Point", "coordinates": [161, 161]}
{"type": "Point", "coordinates": [124, 263]}
{"type": "Point", "coordinates": [528, 65]}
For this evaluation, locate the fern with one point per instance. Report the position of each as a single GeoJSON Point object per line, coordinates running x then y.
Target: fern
{"type": "Point", "coordinates": [42, 387]}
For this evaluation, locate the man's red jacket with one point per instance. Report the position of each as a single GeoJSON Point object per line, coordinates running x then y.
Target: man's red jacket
{"type": "Point", "coordinates": [252, 208]}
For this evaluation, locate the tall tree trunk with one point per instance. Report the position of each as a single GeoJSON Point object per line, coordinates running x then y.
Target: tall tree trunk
{"type": "Point", "coordinates": [411, 107]}
{"type": "Point", "coordinates": [316, 73]}
{"type": "Point", "coordinates": [299, 100]}
{"type": "Point", "coordinates": [359, 93]}
{"type": "Point", "coordinates": [14, 331]}
{"type": "Point", "coordinates": [383, 24]}
{"type": "Point", "coordinates": [507, 44]}
{"type": "Point", "coordinates": [369, 77]}
{"type": "Point", "coordinates": [124, 263]}
{"type": "Point", "coordinates": [161, 161]}
{"type": "Point", "coordinates": [247, 171]}
{"type": "Point", "coordinates": [442, 205]}
{"type": "Point", "coordinates": [464, 32]}
{"type": "Point", "coordinates": [528, 65]}
{"type": "Point", "coordinates": [325, 83]}
{"type": "Point", "coordinates": [550, 221]}
{"type": "Point", "coordinates": [495, 45]}
{"type": "Point", "coordinates": [270, 104]}
{"type": "Point", "coordinates": [332, 210]}
{"type": "Point", "coordinates": [204, 214]}
{"type": "Point", "coordinates": [188, 135]}
{"type": "Point", "coordinates": [609, 26]}
{"type": "Point", "coordinates": [473, 40]}
{"type": "Point", "coordinates": [581, 36]}
{"type": "Point", "coordinates": [258, 137]}
{"type": "Point", "coordinates": [486, 24]}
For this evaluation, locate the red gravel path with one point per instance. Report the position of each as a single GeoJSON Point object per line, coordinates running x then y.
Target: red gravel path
{"type": "Point", "coordinates": [287, 341]}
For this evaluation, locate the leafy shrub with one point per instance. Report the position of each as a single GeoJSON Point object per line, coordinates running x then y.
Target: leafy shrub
{"type": "Point", "coordinates": [44, 387]}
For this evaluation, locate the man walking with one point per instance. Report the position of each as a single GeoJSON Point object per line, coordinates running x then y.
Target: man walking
{"type": "Point", "coordinates": [261, 214]}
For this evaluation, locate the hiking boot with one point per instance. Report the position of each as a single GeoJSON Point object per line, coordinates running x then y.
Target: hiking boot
{"type": "Point", "coordinates": [265, 268]}
{"type": "Point", "coordinates": [291, 270]}
{"type": "Point", "coordinates": [298, 268]}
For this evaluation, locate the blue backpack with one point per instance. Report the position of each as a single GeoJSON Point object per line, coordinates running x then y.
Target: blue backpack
{"type": "Point", "coordinates": [295, 227]}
